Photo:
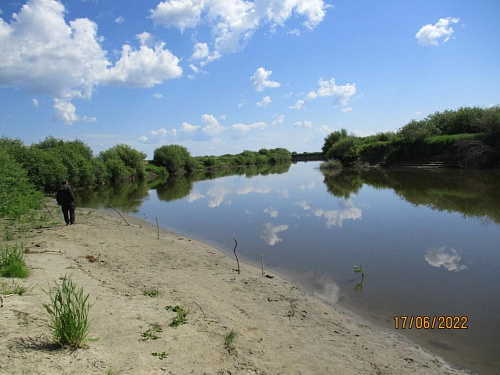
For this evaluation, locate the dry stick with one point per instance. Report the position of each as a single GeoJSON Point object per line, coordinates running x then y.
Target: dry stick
{"type": "Point", "coordinates": [262, 263]}
{"type": "Point", "coordinates": [237, 261]}
{"type": "Point", "coordinates": [2, 298]}
{"type": "Point", "coordinates": [109, 204]}
{"type": "Point", "coordinates": [199, 307]}
{"type": "Point", "coordinates": [158, 227]}
{"type": "Point", "coordinates": [50, 213]}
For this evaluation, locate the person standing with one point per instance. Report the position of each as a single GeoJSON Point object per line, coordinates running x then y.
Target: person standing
{"type": "Point", "coordinates": [66, 199]}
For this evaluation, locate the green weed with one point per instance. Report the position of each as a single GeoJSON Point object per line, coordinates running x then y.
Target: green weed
{"type": "Point", "coordinates": [161, 355]}
{"type": "Point", "coordinates": [150, 334]}
{"type": "Point", "coordinates": [229, 341]}
{"type": "Point", "coordinates": [68, 313]}
{"type": "Point", "coordinates": [7, 235]}
{"type": "Point", "coordinates": [151, 292]}
{"type": "Point", "coordinates": [12, 262]}
{"type": "Point", "coordinates": [180, 318]}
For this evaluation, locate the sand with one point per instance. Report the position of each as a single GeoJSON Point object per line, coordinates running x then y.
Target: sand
{"type": "Point", "coordinates": [280, 328]}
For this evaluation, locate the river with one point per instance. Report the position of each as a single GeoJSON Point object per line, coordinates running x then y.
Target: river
{"type": "Point", "coordinates": [426, 240]}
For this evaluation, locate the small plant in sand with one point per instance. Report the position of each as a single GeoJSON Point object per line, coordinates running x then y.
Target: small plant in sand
{"type": "Point", "coordinates": [68, 313]}
{"type": "Point", "coordinates": [150, 334]}
{"type": "Point", "coordinates": [180, 318]}
{"type": "Point", "coordinates": [12, 262]}
{"type": "Point", "coordinates": [13, 288]}
{"type": "Point", "coordinates": [161, 355]}
{"type": "Point", "coordinates": [151, 292]}
{"type": "Point", "coordinates": [7, 235]}
{"type": "Point", "coordinates": [229, 339]}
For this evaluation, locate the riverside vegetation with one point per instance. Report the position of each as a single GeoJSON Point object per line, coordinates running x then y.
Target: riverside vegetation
{"type": "Point", "coordinates": [467, 138]}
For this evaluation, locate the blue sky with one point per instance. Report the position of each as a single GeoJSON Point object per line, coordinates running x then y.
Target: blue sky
{"type": "Point", "coordinates": [223, 76]}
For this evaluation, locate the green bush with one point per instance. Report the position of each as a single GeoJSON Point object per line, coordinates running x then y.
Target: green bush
{"type": "Point", "coordinates": [174, 158]}
{"type": "Point", "coordinates": [17, 194]}
{"type": "Point", "coordinates": [12, 262]}
{"type": "Point", "coordinates": [68, 313]}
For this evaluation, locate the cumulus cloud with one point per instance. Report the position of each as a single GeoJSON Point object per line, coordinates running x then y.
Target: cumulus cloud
{"type": "Point", "coordinates": [233, 22]}
{"type": "Point", "coordinates": [188, 127]}
{"type": "Point", "coordinates": [269, 233]}
{"type": "Point", "coordinates": [156, 136]}
{"type": "Point", "coordinates": [437, 34]}
{"type": "Point", "coordinates": [246, 128]}
{"type": "Point", "coordinates": [260, 80]}
{"type": "Point", "coordinates": [35, 102]}
{"type": "Point", "coordinates": [120, 19]}
{"type": "Point", "coordinates": [341, 94]}
{"type": "Point", "coordinates": [299, 105]}
{"type": "Point", "coordinates": [266, 100]}
{"type": "Point", "coordinates": [212, 126]}
{"type": "Point", "coordinates": [42, 54]}
{"type": "Point", "coordinates": [444, 257]}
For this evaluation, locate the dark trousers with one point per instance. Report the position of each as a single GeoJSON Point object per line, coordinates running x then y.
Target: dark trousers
{"type": "Point", "coordinates": [69, 213]}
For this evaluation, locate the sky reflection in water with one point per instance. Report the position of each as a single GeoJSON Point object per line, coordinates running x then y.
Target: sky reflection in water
{"type": "Point", "coordinates": [427, 242]}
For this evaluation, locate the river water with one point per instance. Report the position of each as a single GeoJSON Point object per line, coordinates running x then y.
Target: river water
{"type": "Point", "coordinates": [427, 242]}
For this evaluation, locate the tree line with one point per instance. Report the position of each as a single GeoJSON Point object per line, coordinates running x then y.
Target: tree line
{"type": "Point", "coordinates": [27, 172]}
{"type": "Point", "coordinates": [468, 137]}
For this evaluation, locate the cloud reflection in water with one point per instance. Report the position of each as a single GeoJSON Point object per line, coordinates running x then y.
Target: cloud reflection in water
{"type": "Point", "coordinates": [270, 232]}
{"type": "Point", "coordinates": [446, 257]}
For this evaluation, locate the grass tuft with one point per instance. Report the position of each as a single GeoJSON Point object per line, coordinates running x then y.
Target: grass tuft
{"type": "Point", "coordinates": [229, 341]}
{"type": "Point", "coordinates": [12, 262]}
{"type": "Point", "coordinates": [68, 312]}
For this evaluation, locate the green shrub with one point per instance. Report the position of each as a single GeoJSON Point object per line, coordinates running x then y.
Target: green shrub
{"type": "Point", "coordinates": [12, 262]}
{"type": "Point", "coordinates": [175, 158]}
{"type": "Point", "coordinates": [68, 313]}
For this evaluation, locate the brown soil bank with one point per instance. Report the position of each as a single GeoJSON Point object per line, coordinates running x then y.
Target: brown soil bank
{"type": "Point", "coordinates": [280, 329]}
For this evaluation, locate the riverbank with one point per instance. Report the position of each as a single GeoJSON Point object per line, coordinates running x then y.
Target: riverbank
{"type": "Point", "coordinates": [132, 272]}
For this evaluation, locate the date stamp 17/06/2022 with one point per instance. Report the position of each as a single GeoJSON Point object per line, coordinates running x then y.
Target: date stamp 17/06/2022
{"type": "Point", "coordinates": [430, 322]}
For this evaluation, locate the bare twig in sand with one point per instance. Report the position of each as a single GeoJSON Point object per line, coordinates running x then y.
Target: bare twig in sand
{"type": "Point", "coordinates": [50, 213]}
{"type": "Point", "coordinates": [109, 204]}
{"type": "Point", "coordinates": [158, 228]}
{"type": "Point", "coordinates": [199, 307]}
{"type": "Point", "coordinates": [237, 261]}
{"type": "Point", "coordinates": [2, 298]}
{"type": "Point", "coordinates": [262, 263]}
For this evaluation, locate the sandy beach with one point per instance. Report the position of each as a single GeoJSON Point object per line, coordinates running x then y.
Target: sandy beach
{"type": "Point", "coordinates": [132, 273]}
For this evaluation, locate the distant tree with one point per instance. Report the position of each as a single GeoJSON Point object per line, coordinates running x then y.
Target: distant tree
{"type": "Point", "coordinates": [174, 158]}
{"type": "Point", "coordinates": [123, 163]}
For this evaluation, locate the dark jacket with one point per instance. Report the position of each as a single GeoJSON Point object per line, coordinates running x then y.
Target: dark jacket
{"type": "Point", "coordinates": [65, 196]}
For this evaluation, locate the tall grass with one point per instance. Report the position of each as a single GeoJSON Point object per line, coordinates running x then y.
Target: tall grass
{"type": "Point", "coordinates": [68, 312]}
{"type": "Point", "coordinates": [12, 262]}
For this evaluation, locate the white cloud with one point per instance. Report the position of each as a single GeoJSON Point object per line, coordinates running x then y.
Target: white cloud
{"type": "Point", "coordinates": [303, 124]}
{"type": "Point", "coordinates": [341, 94]}
{"type": "Point", "coordinates": [444, 257]}
{"type": "Point", "coordinates": [279, 120]}
{"type": "Point", "coordinates": [188, 127]}
{"type": "Point", "coordinates": [246, 128]}
{"type": "Point", "coordinates": [233, 22]}
{"type": "Point", "coordinates": [346, 109]}
{"type": "Point", "coordinates": [260, 80]}
{"type": "Point", "coordinates": [201, 51]}
{"type": "Point", "coordinates": [64, 111]}
{"type": "Point", "coordinates": [120, 19]}
{"type": "Point", "coordinates": [324, 129]}
{"type": "Point", "coordinates": [437, 34]}
{"type": "Point", "coordinates": [35, 102]}
{"type": "Point", "coordinates": [266, 100]}
{"type": "Point", "coordinates": [42, 54]}
{"type": "Point", "coordinates": [212, 126]}
{"type": "Point", "coordinates": [299, 105]}
{"type": "Point", "coordinates": [270, 232]}
{"type": "Point", "coordinates": [156, 136]}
